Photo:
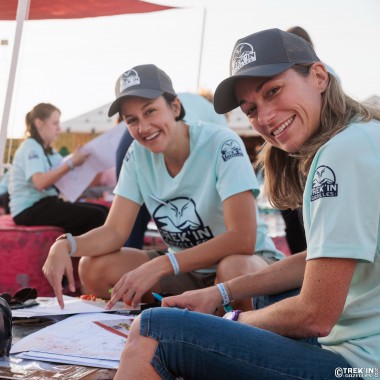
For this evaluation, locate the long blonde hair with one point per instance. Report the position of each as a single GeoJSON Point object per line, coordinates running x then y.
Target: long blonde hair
{"type": "Point", "coordinates": [286, 173]}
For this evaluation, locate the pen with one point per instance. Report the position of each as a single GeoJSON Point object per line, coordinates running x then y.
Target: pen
{"type": "Point", "coordinates": [157, 296]}
{"type": "Point", "coordinates": [228, 308]}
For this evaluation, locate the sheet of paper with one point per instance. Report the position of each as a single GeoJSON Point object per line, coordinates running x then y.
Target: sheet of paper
{"type": "Point", "coordinates": [49, 306]}
{"type": "Point", "coordinates": [102, 151]}
{"type": "Point", "coordinates": [75, 340]}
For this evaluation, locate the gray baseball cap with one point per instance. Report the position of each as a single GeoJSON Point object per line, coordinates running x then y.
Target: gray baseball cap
{"type": "Point", "coordinates": [146, 81]}
{"type": "Point", "coordinates": [262, 54]}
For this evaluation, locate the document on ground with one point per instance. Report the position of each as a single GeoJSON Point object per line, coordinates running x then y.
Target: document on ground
{"type": "Point", "coordinates": [75, 340]}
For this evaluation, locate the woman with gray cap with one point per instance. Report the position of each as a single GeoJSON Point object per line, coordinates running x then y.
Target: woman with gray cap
{"type": "Point", "coordinates": [313, 134]}
{"type": "Point", "coordinates": [198, 184]}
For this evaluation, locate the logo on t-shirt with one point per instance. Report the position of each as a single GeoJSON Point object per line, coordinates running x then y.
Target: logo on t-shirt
{"type": "Point", "coordinates": [324, 183]}
{"type": "Point", "coordinates": [32, 155]}
{"type": "Point", "coordinates": [179, 223]}
{"type": "Point", "coordinates": [230, 149]}
{"type": "Point", "coordinates": [129, 153]}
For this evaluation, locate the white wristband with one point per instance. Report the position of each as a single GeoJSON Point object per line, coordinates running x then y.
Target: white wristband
{"type": "Point", "coordinates": [223, 292]}
{"type": "Point", "coordinates": [174, 262]}
{"type": "Point", "coordinates": [71, 240]}
{"type": "Point", "coordinates": [70, 163]}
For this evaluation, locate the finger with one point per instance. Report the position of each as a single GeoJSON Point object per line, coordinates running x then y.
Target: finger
{"type": "Point", "coordinates": [136, 300]}
{"type": "Point", "coordinates": [57, 286]}
{"type": "Point", "coordinates": [70, 278]}
{"type": "Point", "coordinates": [116, 296]}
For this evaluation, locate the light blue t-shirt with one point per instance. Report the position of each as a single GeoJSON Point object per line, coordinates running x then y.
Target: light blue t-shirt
{"type": "Point", "coordinates": [188, 209]}
{"type": "Point", "coordinates": [341, 215]}
{"type": "Point", "coordinates": [197, 108]}
{"type": "Point", "coordinates": [29, 160]}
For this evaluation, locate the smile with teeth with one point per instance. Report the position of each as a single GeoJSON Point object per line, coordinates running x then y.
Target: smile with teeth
{"type": "Point", "coordinates": [282, 127]}
{"type": "Point", "coordinates": [152, 136]}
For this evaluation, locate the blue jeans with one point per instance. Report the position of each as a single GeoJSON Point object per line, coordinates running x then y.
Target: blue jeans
{"type": "Point", "coordinates": [199, 346]}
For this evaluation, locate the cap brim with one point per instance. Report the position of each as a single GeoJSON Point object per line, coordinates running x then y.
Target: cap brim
{"type": "Point", "coordinates": [143, 93]}
{"type": "Point", "coordinates": [224, 97]}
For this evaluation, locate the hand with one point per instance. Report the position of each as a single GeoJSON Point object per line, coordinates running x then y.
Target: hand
{"type": "Point", "coordinates": [79, 157]}
{"type": "Point", "coordinates": [133, 285]}
{"type": "Point", "coordinates": [204, 300]}
{"type": "Point", "coordinates": [58, 264]}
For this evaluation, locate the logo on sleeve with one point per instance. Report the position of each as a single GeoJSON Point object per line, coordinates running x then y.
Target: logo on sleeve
{"type": "Point", "coordinates": [129, 153]}
{"type": "Point", "coordinates": [324, 183]}
{"type": "Point", "coordinates": [230, 149]}
{"type": "Point", "coordinates": [179, 223]}
{"type": "Point", "coordinates": [32, 155]}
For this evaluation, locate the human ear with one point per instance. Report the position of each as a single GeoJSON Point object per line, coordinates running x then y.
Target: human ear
{"type": "Point", "coordinates": [319, 72]}
{"type": "Point", "coordinates": [38, 123]}
{"type": "Point", "coordinates": [176, 106]}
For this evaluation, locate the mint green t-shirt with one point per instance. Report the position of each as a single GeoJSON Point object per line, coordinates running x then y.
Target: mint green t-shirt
{"type": "Point", "coordinates": [188, 209]}
{"type": "Point", "coordinates": [341, 215]}
{"type": "Point", "coordinates": [29, 159]}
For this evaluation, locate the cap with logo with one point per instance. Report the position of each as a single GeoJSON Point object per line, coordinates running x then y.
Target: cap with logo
{"type": "Point", "coordinates": [262, 54]}
{"type": "Point", "coordinates": [146, 81]}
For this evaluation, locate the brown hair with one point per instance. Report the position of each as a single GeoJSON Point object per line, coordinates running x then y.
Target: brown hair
{"type": "Point", "coordinates": [300, 32]}
{"type": "Point", "coordinates": [41, 111]}
{"type": "Point", "coordinates": [286, 173]}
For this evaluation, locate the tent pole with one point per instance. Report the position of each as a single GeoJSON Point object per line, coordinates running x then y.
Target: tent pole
{"type": "Point", "coordinates": [22, 14]}
{"type": "Point", "coordinates": [201, 50]}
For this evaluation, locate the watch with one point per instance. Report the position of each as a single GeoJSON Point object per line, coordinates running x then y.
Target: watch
{"type": "Point", "coordinates": [232, 315]}
{"type": "Point", "coordinates": [71, 240]}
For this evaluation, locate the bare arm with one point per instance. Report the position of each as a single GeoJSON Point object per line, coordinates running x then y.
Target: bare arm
{"type": "Point", "coordinates": [318, 307]}
{"type": "Point", "coordinates": [43, 180]}
{"type": "Point", "coordinates": [102, 240]}
{"type": "Point", "coordinates": [239, 238]}
{"type": "Point", "coordinates": [279, 277]}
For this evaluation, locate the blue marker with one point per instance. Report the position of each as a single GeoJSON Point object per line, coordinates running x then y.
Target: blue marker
{"type": "Point", "coordinates": [157, 296]}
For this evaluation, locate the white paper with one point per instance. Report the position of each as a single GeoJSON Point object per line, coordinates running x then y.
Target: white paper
{"type": "Point", "coordinates": [49, 306]}
{"type": "Point", "coordinates": [75, 340]}
{"type": "Point", "coordinates": [102, 156]}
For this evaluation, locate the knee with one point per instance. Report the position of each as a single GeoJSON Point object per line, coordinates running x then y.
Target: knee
{"type": "Point", "coordinates": [238, 265]}
{"type": "Point", "coordinates": [228, 268]}
{"type": "Point", "coordinates": [90, 271]}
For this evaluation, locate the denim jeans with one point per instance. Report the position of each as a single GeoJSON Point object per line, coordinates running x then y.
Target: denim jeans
{"type": "Point", "coordinates": [199, 346]}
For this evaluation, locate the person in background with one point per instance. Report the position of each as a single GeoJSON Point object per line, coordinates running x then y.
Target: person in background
{"type": "Point", "coordinates": [313, 133]}
{"type": "Point", "coordinates": [197, 183]}
{"type": "Point", "coordinates": [4, 195]}
{"type": "Point", "coordinates": [36, 167]}
{"type": "Point", "coordinates": [197, 108]}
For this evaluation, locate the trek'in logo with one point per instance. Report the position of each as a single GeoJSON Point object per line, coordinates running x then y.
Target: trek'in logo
{"type": "Point", "coordinates": [129, 153]}
{"type": "Point", "coordinates": [242, 56]}
{"type": "Point", "coordinates": [230, 149]}
{"type": "Point", "coordinates": [179, 224]}
{"type": "Point", "coordinates": [32, 155]}
{"type": "Point", "coordinates": [324, 183]}
{"type": "Point", "coordinates": [128, 79]}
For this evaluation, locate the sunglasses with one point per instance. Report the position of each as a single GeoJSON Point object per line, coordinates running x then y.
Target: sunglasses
{"type": "Point", "coordinates": [24, 297]}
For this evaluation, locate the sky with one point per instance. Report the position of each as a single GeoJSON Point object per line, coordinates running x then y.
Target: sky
{"type": "Point", "coordinates": [74, 64]}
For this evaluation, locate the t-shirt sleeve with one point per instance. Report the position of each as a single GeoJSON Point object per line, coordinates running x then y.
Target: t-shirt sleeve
{"type": "Point", "coordinates": [127, 186]}
{"type": "Point", "coordinates": [34, 159]}
{"type": "Point", "coordinates": [235, 173]}
{"type": "Point", "coordinates": [341, 199]}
